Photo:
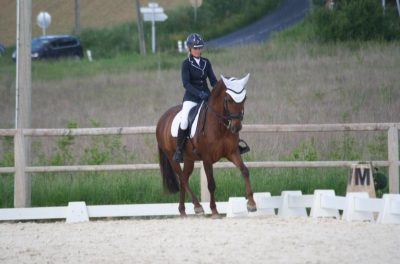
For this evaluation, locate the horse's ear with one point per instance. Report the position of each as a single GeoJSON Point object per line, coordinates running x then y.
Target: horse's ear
{"type": "Point", "coordinates": [224, 80]}
{"type": "Point", "coordinates": [245, 79]}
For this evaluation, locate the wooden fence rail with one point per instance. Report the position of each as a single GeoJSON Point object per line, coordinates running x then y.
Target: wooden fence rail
{"type": "Point", "coordinates": [22, 183]}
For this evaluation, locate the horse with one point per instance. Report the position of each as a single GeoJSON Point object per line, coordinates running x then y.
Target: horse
{"type": "Point", "coordinates": [216, 137]}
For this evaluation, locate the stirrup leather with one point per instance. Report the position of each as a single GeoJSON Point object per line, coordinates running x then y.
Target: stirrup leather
{"type": "Point", "coordinates": [243, 149]}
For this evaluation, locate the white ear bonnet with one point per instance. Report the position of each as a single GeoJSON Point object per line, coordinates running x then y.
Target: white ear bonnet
{"type": "Point", "coordinates": [236, 88]}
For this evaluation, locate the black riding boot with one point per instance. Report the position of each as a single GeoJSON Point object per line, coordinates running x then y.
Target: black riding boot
{"type": "Point", "coordinates": [243, 149]}
{"type": "Point", "coordinates": [180, 141]}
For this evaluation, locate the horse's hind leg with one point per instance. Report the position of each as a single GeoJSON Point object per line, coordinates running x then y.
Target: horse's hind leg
{"type": "Point", "coordinates": [184, 187]}
{"type": "Point", "coordinates": [187, 171]}
{"type": "Point", "coordinates": [182, 190]}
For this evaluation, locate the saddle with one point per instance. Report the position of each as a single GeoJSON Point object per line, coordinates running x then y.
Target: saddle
{"type": "Point", "coordinates": [193, 113]}
{"type": "Point", "coordinates": [192, 119]}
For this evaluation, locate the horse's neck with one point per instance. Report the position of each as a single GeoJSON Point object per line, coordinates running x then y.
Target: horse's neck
{"type": "Point", "coordinates": [213, 115]}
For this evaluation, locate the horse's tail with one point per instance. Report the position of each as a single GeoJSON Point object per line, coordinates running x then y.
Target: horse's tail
{"type": "Point", "coordinates": [170, 181]}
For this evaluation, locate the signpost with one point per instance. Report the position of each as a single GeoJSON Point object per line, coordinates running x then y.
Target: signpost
{"type": "Point", "coordinates": [196, 4]}
{"type": "Point", "coordinates": [153, 13]}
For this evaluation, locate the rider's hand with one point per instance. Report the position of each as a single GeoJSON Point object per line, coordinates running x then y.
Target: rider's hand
{"type": "Point", "coordinates": [203, 95]}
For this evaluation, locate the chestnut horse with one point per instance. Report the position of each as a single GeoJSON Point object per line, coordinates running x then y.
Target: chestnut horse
{"type": "Point", "coordinates": [216, 137]}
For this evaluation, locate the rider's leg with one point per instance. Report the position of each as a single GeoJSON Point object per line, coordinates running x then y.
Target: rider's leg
{"type": "Point", "coordinates": [180, 140]}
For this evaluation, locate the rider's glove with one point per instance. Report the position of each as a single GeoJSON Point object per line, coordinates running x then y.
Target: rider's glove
{"type": "Point", "coordinates": [203, 95]}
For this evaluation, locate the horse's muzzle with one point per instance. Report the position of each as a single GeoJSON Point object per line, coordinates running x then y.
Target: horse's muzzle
{"type": "Point", "coordinates": [236, 128]}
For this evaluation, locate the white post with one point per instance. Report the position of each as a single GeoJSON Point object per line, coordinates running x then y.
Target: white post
{"type": "Point", "coordinates": [153, 35]}
{"type": "Point", "coordinates": [393, 156]}
{"type": "Point", "coordinates": [22, 182]}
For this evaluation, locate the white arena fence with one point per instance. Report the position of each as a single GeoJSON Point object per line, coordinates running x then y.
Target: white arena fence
{"type": "Point", "coordinates": [356, 206]}
{"type": "Point", "coordinates": [22, 169]}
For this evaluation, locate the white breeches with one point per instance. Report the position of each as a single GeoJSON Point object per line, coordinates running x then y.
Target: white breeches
{"type": "Point", "coordinates": [187, 105]}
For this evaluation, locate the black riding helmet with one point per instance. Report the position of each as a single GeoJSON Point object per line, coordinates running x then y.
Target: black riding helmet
{"type": "Point", "coordinates": [194, 40]}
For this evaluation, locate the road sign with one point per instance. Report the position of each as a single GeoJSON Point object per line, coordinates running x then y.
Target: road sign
{"type": "Point", "coordinates": [157, 17]}
{"type": "Point", "coordinates": [43, 20]}
{"type": "Point", "coordinates": [153, 12]}
{"type": "Point", "coordinates": [196, 3]}
{"type": "Point", "coordinates": [150, 10]}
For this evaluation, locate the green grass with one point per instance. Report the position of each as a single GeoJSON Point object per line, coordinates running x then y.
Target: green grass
{"type": "Point", "coordinates": [71, 68]}
{"type": "Point", "coordinates": [138, 187]}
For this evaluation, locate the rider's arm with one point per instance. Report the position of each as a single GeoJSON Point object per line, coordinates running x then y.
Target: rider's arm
{"type": "Point", "coordinates": [211, 75]}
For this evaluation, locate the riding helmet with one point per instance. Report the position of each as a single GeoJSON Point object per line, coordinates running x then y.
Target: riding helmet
{"type": "Point", "coordinates": [194, 40]}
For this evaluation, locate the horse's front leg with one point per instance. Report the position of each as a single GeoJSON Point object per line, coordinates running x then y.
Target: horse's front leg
{"type": "Point", "coordinates": [237, 160]}
{"type": "Point", "coordinates": [208, 168]}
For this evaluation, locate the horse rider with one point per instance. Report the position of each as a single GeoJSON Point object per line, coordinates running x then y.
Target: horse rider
{"type": "Point", "coordinates": [195, 70]}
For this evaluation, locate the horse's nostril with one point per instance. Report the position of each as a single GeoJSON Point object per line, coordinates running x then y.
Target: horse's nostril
{"type": "Point", "coordinates": [236, 129]}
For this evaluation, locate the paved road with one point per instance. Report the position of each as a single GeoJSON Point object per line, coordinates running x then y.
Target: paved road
{"type": "Point", "coordinates": [288, 13]}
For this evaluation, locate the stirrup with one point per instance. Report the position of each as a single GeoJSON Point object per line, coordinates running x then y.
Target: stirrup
{"type": "Point", "coordinates": [243, 149]}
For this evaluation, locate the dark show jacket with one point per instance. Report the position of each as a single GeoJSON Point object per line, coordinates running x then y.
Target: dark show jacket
{"type": "Point", "coordinates": [194, 78]}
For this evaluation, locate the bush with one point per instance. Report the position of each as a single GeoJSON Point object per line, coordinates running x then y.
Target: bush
{"type": "Point", "coordinates": [109, 42]}
{"type": "Point", "coordinates": [358, 20]}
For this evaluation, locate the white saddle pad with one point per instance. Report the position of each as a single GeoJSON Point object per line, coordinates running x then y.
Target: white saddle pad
{"type": "Point", "coordinates": [177, 121]}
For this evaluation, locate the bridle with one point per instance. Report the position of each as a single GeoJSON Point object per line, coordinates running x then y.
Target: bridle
{"type": "Point", "coordinates": [227, 117]}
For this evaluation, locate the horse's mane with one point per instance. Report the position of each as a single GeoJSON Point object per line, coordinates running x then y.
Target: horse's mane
{"type": "Point", "coordinates": [218, 89]}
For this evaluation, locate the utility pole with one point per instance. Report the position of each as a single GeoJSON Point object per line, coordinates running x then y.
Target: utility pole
{"type": "Point", "coordinates": [140, 29]}
{"type": "Point", "coordinates": [22, 181]}
{"type": "Point", "coordinates": [77, 16]}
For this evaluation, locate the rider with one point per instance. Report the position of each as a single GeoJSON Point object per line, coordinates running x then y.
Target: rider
{"type": "Point", "coordinates": [195, 71]}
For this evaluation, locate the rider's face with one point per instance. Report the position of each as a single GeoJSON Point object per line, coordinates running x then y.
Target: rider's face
{"type": "Point", "coordinates": [196, 52]}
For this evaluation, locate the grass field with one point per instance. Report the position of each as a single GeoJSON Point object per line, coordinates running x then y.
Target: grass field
{"type": "Point", "coordinates": [95, 13]}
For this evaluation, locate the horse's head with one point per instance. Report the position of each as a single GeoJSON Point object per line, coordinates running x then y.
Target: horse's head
{"type": "Point", "coordinates": [230, 95]}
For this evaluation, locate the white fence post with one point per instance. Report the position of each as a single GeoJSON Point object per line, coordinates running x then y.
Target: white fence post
{"type": "Point", "coordinates": [22, 183]}
{"type": "Point", "coordinates": [393, 157]}
{"type": "Point", "coordinates": [22, 192]}
{"type": "Point", "coordinates": [204, 193]}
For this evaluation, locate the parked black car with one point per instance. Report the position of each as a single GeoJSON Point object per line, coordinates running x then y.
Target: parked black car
{"type": "Point", "coordinates": [55, 46]}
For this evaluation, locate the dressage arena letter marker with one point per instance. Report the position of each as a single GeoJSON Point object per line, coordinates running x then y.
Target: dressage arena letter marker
{"type": "Point", "coordinates": [360, 179]}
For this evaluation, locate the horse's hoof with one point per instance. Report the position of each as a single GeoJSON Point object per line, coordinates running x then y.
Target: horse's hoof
{"type": "Point", "coordinates": [216, 216]}
{"type": "Point", "coordinates": [183, 215]}
{"type": "Point", "coordinates": [251, 208]}
{"type": "Point", "coordinates": [199, 210]}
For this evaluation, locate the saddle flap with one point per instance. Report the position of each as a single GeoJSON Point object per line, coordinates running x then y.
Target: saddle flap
{"type": "Point", "coordinates": [192, 118]}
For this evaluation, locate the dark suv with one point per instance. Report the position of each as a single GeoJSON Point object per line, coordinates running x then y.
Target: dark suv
{"type": "Point", "coordinates": [55, 46]}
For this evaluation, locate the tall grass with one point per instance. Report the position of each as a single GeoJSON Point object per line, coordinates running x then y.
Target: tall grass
{"type": "Point", "coordinates": [57, 189]}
